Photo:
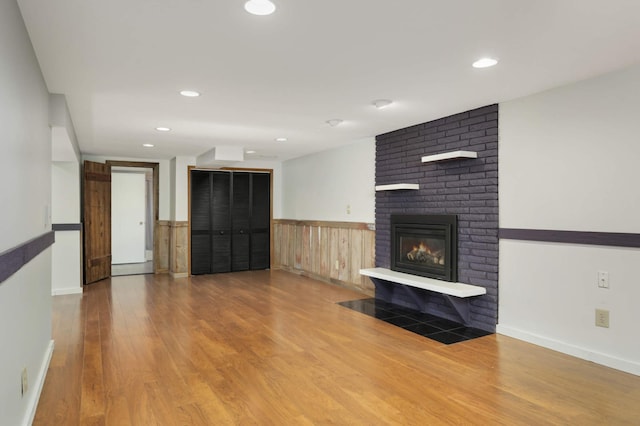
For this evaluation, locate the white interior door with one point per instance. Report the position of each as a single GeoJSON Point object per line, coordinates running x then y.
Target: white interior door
{"type": "Point", "coordinates": [127, 217]}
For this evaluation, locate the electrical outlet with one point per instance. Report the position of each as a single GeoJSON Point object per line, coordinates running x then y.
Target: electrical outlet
{"type": "Point", "coordinates": [337, 264]}
{"type": "Point", "coordinates": [25, 381]}
{"type": "Point", "coordinates": [603, 279]}
{"type": "Point", "coordinates": [602, 318]}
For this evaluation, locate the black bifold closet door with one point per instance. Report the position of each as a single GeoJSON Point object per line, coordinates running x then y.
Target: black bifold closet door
{"type": "Point", "coordinates": [230, 218]}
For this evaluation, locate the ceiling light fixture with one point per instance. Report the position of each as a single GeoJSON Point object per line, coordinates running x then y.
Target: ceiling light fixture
{"type": "Point", "coordinates": [148, 145]}
{"type": "Point", "coordinates": [190, 93]}
{"type": "Point", "coordinates": [485, 63]}
{"type": "Point", "coordinates": [260, 7]}
{"type": "Point", "coordinates": [281, 139]}
{"type": "Point", "coordinates": [250, 151]}
{"type": "Point", "coordinates": [381, 103]}
{"type": "Point", "coordinates": [334, 122]}
{"type": "Point", "coordinates": [163, 129]}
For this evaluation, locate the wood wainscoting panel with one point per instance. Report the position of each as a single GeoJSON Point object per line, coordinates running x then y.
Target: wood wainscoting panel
{"type": "Point", "coordinates": [323, 253]}
{"type": "Point", "coordinates": [331, 251]}
{"type": "Point", "coordinates": [306, 248]}
{"type": "Point", "coordinates": [179, 249]}
{"type": "Point", "coordinates": [355, 242]}
{"type": "Point", "coordinates": [297, 247]}
{"type": "Point", "coordinates": [368, 256]}
{"type": "Point", "coordinates": [161, 247]}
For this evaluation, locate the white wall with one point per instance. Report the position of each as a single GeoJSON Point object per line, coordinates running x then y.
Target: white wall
{"type": "Point", "coordinates": [180, 187]}
{"type": "Point", "coordinates": [64, 141]}
{"type": "Point", "coordinates": [65, 186]}
{"type": "Point", "coordinates": [569, 161]}
{"type": "Point", "coordinates": [164, 178]}
{"type": "Point", "coordinates": [66, 265]}
{"type": "Point", "coordinates": [25, 173]}
{"type": "Point", "coordinates": [333, 185]}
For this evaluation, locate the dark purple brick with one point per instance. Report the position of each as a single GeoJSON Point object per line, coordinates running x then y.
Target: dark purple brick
{"type": "Point", "coordinates": [459, 131]}
{"type": "Point", "coordinates": [473, 134]}
{"type": "Point", "coordinates": [474, 120]}
{"type": "Point", "coordinates": [468, 188]}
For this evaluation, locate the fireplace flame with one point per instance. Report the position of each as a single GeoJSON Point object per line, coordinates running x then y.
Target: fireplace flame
{"type": "Point", "coordinates": [422, 253]}
{"type": "Point", "coordinates": [423, 247]}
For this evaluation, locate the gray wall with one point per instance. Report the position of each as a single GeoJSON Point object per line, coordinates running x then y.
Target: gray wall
{"type": "Point", "coordinates": [25, 176]}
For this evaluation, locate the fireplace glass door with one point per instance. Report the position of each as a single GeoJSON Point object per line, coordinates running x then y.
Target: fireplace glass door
{"type": "Point", "coordinates": [423, 245]}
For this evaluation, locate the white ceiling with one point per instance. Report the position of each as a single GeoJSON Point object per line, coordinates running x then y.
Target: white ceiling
{"type": "Point", "coordinates": [121, 64]}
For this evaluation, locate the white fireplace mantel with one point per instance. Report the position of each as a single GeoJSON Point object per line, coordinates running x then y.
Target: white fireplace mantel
{"type": "Point", "coordinates": [431, 284]}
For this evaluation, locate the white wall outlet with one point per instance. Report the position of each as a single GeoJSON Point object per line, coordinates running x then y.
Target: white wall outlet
{"type": "Point", "coordinates": [348, 208]}
{"type": "Point", "coordinates": [603, 279]}
{"type": "Point", "coordinates": [602, 318]}
{"type": "Point", "coordinates": [337, 264]}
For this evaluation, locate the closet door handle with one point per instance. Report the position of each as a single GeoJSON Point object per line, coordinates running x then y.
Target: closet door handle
{"type": "Point", "coordinates": [221, 232]}
{"type": "Point", "coordinates": [242, 231]}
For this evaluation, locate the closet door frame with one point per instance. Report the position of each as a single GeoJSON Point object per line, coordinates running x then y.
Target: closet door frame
{"type": "Point", "coordinates": [233, 169]}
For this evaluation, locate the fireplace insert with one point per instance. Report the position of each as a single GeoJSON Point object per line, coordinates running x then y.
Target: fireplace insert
{"type": "Point", "coordinates": [425, 245]}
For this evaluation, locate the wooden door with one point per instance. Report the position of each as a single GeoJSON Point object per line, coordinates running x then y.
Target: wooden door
{"type": "Point", "coordinates": [97, 221]}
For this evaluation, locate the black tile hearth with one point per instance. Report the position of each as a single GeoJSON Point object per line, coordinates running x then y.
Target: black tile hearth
{"type": "Point", "coordinates": [427, 325]}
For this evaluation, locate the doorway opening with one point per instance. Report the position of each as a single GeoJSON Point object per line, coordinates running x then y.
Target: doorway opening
{"type": "Point", "coordinates": [134, 211]}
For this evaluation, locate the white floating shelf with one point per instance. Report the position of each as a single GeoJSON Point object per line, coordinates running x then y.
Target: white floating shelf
{"type": "Point", "coordinates": [444, 287]}
{"type": "Point", "coordinates": [397, 186]}
{"type": "Point", "coordinates": [449, 156]}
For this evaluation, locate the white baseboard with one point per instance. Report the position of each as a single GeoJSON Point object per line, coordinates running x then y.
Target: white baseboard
{"type": "Point", "coordinates": [566, 348]}
{"type": "Point", "coordinates": [64, 291]}
{"type": "Point", "coordinates": [32, 404]}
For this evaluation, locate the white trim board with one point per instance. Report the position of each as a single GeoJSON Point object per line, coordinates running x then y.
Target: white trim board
{"type": "Point", "coordinates": [65, 291]}
{"type": "Point", "coordinates": [34, 398]}
{"type": "Point", "coordinates": [625, 365]}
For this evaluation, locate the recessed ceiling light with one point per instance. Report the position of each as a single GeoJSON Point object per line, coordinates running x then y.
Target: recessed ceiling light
{"type": "Point", "coordinates": [163, 129]}
{"type": "Point", "coordinates": [334, 122]}
{"type": "Point", "coordinates": [250, 151]}
{"type": "Point", "coordinates": [381, 103]}
{"type": "Point", "coordinates": [148, 145]}
{"type": "Point", "coordinates": [485, 63]}
{"type": "Point", "coordinates": [190, 93]}
{"type": "Point", "coordinates": [281, 139]}
{"type": "Point", "coordinates": [260, 7]}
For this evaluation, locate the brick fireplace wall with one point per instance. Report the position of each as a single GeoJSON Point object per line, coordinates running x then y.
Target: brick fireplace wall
{"type": "Point", "coordinates": [467, 188]}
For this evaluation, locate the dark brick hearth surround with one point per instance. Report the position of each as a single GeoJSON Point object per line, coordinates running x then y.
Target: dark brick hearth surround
{"type": "Point", "coordinates": [467, 188]}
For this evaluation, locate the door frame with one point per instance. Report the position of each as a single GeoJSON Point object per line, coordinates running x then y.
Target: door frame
{"type": "Point", "coordinates": [156, 194]}
{"type": "Point", "coordinates": [230, 169]}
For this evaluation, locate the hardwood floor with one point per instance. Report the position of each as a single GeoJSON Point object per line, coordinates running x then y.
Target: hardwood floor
{"type": "Point", "coordinates": [273, 348]}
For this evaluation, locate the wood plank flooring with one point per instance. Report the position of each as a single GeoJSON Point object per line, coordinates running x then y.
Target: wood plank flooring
{"type": "Point", "coordinates": [273, 348]}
